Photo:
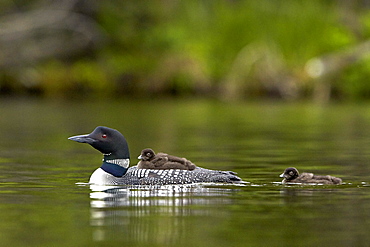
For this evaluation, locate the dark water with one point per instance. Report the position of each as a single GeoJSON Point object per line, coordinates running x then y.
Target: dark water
{"type": "Point", "coordinates": [41, 204]}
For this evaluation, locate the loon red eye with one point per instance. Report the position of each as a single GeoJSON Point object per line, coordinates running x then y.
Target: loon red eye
{"type": "Point", "coordinates": [104, 136]}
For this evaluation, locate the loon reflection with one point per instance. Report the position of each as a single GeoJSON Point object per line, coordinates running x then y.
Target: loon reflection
{"type": "Point", "coordinates": [134, 207]}
{"type": "Point", "coordinates": [163, 195]}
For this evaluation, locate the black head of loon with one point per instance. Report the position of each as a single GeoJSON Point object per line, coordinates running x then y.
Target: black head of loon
{"type": "Point", "coordinates": [112, 144]}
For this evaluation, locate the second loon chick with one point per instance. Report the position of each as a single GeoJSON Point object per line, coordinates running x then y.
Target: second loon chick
{"type": "Point", "coordinates": [291, 175]}
{"type": "Point", "coordinates": [150, 160]}
{"type": "Point", "coordinates": [115, 169]}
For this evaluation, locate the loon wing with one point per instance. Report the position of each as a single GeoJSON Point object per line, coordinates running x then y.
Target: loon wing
{"type": "Point", "coordinates": [176, 176]}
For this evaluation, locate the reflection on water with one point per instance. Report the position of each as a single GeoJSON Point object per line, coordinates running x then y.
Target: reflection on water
{"type": "Point", "coordinates": [171, 195]}
{"type": "Point", "coordinates": [164, 214]}
{"type": "Point", "coordinates": [119, 206]}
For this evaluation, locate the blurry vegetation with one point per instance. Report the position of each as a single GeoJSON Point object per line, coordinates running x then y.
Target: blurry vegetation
{"type": "Point", "coordinates": [228, 49]}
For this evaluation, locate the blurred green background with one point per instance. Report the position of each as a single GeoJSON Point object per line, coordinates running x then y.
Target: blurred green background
{"type": "Point", "coordinates": [225, 49]}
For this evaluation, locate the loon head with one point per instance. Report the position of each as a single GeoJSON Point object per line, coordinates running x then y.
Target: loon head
{"type": "Point", "coordinates": [146, 154]}
{"type": "Point", "coordinates": [290, 173]}
{"type": "Point", "coordinates": [109, 142]}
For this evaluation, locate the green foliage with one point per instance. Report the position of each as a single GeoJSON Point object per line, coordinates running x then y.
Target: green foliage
{"type": "Point", "coordinates": [242, 47]}
{"type": "Point", "coordinates": [211, 34]}
{"type": "Point", "coordinates": [354, 84]}
{"type": "Point", "coordinates": [83, 76]}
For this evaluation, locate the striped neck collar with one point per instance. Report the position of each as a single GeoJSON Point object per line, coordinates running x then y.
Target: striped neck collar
{"type": "Point", "coordinates": [120, 162]}
{"type": "Point", "coordinates": [116, 167]}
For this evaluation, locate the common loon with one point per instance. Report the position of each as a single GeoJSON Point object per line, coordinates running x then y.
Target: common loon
{"type": "Point", "coordinates": [291, 175]}
{"type": "Point", "coordinates": [115, 169]}
{"type": "Point", "coordinates": [150, 160]}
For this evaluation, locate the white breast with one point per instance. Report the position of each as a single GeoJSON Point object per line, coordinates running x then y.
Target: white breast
{"type": "Point", "coordinates": [99, 176]}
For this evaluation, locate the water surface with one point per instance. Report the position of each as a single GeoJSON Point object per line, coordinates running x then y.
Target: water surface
{"type": "Point", "coordinates": [41, 204]}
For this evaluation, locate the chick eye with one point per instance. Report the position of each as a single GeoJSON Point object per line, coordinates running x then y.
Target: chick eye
{"type": "Point", "coordinates": [104, 136]}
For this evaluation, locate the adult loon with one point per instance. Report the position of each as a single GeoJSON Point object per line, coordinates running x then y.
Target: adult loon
{"type": "Point", "coordinates": [291, 175]}
{"type": "Point", "coordinates": [150, 160]}
{"type": "Point", "coordinates": [115, 169]}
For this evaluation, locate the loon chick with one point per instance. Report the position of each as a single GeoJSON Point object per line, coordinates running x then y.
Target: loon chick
{"type": "Point", "coordinates": [291, 175]}
{"type": "Point", "coordinates": [115, 169]}
{"type": "Point", "coordinates": [150, 160]}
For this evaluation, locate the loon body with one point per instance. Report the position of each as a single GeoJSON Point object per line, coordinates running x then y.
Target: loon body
{"type": "Point", "coordinates": [115, 169]}
{"type": "Point", "coordinates": [150, 160]}
{"type": "Point", "coordinates": [291, 175]}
